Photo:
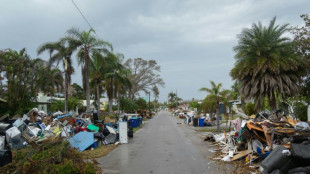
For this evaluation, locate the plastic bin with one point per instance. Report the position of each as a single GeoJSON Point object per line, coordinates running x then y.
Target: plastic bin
{"type": "Point", "coordinates": [140, 121]}
{"type": "Point", "coordinates": [133, 123]}
{"type": "Point", "coordinates": [195, 122]}
{"type": "Point", "coordinates": [201, 122]}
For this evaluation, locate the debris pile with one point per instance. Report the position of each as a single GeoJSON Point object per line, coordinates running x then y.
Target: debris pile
{"type": "Point", "coordinates": [37, 128]}
{"type": "Point", "coordinates": [53, 156]}
{"type": "Point", "coordinates": [270, 142]}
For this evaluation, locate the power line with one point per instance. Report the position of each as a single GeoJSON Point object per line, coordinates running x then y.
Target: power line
{"type": "Point", "coordinates": [82, 14]}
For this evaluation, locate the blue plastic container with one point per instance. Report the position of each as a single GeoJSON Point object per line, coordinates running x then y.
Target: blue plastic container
{"type": "Point", "coordinates": [139, 121]}
{"type": "Point", "coordinates": [133, 123]}
{"type": "Point", "coordinates": [95, 145]}
{"type": "Point", "coordinates": [201, 122]}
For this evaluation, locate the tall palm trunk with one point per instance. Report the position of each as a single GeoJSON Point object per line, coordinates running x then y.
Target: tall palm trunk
{"type": "Point", "coordinates": [87, 86]}
{"type": "Point", "coordinates": [217, 116]}
{"type": "Point", "coordinates": [118, 104]}
{"type": "Point", "coordinates": [111, 97]}
{"type": "Point", "coordinates": [110, 105]}
{"type": "Point", "coordinates": [98, 99]}
{"type": "Point", "coordinates": [66, 86]}
{"type": "Point", "coordinates": [0, 84]}
{"type": "Point", "coordinates": [272, 101]}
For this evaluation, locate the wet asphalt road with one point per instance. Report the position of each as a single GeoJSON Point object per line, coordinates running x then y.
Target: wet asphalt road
{"type": "Point", "coordinates": [162, 147]}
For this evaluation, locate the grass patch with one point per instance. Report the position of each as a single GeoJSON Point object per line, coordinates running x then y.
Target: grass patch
{"type": "Point", "coordinates": [136, 129]}
{"type": "Point", "coordinates": [213, 130]}
{"type": "Point", "coordinates": [98, 152]}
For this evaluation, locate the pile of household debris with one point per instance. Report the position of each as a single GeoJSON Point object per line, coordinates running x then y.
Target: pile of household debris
{"type": "Point", "coordinates": [272, 142]}
{"type": "Point", "coordinates": [36, 127]}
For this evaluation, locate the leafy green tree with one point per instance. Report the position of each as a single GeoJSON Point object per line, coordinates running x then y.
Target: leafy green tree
{"type": "Point", "coordinates": [87, 44]}
{"type": "Point", "coordinates": [25, 78]}
{"type": "Point", "coordinates": [217, 95]}
{"type": "Point", "coordinates": [78, 91]}
{"type": "Point", "coordinates": [141, 103]}
{"type": "Point", "coordinates": [194, 104]}
{"type": "Point", "coordinates": [128, 105]}
{"type": "Point", "coordinates": [208, 104]}
{"type": "Point", "coordinates": [155, 91]}
{"type": "Point", "coordinates": [116, 77]}
{"type": "Point", "coordinates": [57, 105]}
{"type": "Point", "coordinates": [145, 74]}
{"type": "Point", "coordinates": [60, 52]}
{"type": "Point", "coordinates": [302, 48]}
{"type": "Point", "coordinates": [172, 97]}
{"type": "Point", "coordinates": [74, 103]}
{"type": "Point", "coordinates": [97, 75]}
{"type": "Point", "coordinates": [266, 64]}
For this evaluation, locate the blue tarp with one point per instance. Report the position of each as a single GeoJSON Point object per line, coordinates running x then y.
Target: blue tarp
{"type": "Point", "coordinates": [82, 140]}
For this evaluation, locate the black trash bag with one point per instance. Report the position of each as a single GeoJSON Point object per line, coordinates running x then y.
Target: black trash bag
{"type": "Point", "coordinates": [299, 170]}
{"type": "Point", "coordinates": [99, 136]}
{"type": "Point", "coordinates": [5, 157]}
{"type": "Point", "coordinates": [301, 151]}
{"type": "Point", "coordinates": [208, 123]}
{"type": "Point", "coordinates": [275, 160]}
{"type": "Point", "coordinates": [110, 139]}
{"type": "Point", "coordinates": [105, 132]}
{"type": "Point", "coordinates": [130, 133]}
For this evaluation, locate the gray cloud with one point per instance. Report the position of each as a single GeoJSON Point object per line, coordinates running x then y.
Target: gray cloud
{"type": "Point", "coordinates": [192, 40]}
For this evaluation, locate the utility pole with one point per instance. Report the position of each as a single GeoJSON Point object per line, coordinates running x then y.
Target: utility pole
{"type": "Point", "coordinates": [150, 103]}
{"type": "Point", "coordinates": [176, 95]}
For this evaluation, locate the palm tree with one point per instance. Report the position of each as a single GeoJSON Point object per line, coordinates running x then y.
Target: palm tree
{"type": "Point", "coordinates": [116, 77]}
{"type": "Point", "coordinates": [86, 43]}
{"type": "Point", "coordinates": [97, 75]}
{"type": "Point", "coordinates": [266, 64]}
{"type": "Point", "coordinates": [155, 92]}
{"type": "Point", "coordinates": [217, 95]}
{"type": "Point", "coordinates": [63, 54]}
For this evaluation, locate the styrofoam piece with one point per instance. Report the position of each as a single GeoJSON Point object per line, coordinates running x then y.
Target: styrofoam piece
{"type": "Point", "coordinates": [12, 134]}
{"type": "Point", "coordinates": [48, 127]}
{"type": "Point", "coordinates": [66, 131]}
{"type": "Point", "coordinates": [111, 130]}
{"type": "Point", "coordinates": [219, 137]}
{"type": "Point", "coordinates": [2, 142]}
{"type": "Point", "coordinates": [25, 117]}
{"type": "Point", "coordinates": [4, 126]}
{"type": "Point", "coordinates": [18, 122]}
{"type": "Point", "coordinates": [122, 129]}
{"type": "Point", "coordinates": [226, 158]}
{"type": "Point", "coordinates": [35, 131]}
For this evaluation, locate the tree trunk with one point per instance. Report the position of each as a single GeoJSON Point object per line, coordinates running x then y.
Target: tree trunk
{"type": "Point", "coordinates": [118, 104]}
{"type": "Point", "coordinates": [217, 116]}
{"type": "Point", "coordinates": [87, 87]}
{"type": "Point", "coordinates": [66, 86]}
{"type": "Point", "coordinates": [110, 105]}
{"type": "Point", "coordinates": [272, 101]}
{"type": "Point", "coordinates": [98, 99]}
{"type": "Point", "coordinates": [0, 84]}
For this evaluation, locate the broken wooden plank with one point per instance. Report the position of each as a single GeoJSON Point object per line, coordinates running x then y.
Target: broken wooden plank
{"type": "Point", "coordinates": [241, 154]}
{"type": "Point", "coordinates": [251, 126]}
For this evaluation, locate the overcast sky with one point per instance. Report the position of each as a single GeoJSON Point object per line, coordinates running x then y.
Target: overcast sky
{"type": "Point", "coordinates": [191, 40]}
